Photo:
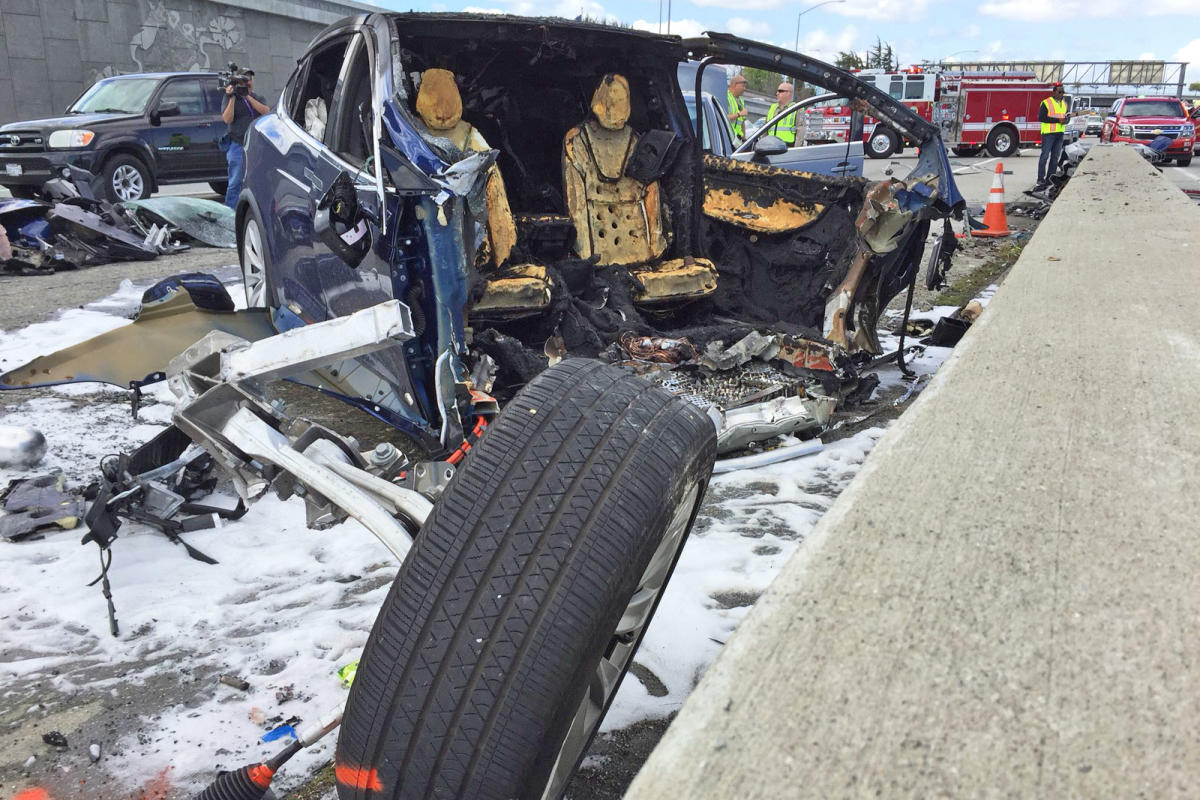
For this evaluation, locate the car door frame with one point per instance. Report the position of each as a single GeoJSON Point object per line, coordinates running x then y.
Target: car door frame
{"type": "Point", "coordinates": [725, 48]}
{"type": "Point", "coordinates": [194, 160]}
{"type": "Point", "coordinates": [846, 159]}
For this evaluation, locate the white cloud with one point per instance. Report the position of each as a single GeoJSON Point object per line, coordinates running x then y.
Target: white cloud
{"type": "Point", "coordinates": [883, 10]}
{"type": "Point", "coordinates": [1190, 53]}
{"type": "Point", "coordinates": [749, 29]}
{"type": "Point", "coordinates": [743, 5]}
{"type": "Point", "coordinates": [825, 46]}
{"type": "Point", "coordinates": [687, 28]}
{"type": "Point", "coordinates": [1042, 11]}
{"type": "Point", "coordinates": [973, 31]}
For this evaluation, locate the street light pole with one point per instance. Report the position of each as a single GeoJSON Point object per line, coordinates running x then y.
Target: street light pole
{"type": "Point", "coordinates": [805, 11]}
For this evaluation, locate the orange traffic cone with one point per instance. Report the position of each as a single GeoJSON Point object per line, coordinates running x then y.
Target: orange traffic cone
{"type": "Point", "coordinates": [995, 218]}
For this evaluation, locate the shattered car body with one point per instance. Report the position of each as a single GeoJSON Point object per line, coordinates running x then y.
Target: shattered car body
{"type": "Point", "coordinates": [789, 253]}
{"type": "Point", "coordinates": [482, 202]}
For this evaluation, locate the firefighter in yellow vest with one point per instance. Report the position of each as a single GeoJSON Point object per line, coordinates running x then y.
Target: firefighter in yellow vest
{"type": "Point", "coordinates": [1052, 113]}
{"type": "Point", "coordinates": [735, 106]}
{"type": "Point", "coordinates": [785, 129]}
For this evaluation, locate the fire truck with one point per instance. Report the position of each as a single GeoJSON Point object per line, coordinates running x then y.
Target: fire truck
{"type": "Point", "coordinates": [975, 110]}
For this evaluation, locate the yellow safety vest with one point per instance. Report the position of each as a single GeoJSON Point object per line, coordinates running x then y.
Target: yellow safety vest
{"type": "Point", "coordinates": [785, 129]}
{"type": "Point", "coordinates": [733, 104]}
{"type": "Point", "coordinates": [1058, 108]}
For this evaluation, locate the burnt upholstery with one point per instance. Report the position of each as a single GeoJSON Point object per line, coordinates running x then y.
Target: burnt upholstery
{"type": "Point", "coordinates": [618, 219]}
{"type": "Point", "coordinates": [509, 290]}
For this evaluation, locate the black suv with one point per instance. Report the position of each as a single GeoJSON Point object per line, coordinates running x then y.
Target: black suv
{"type": "Point", "coordinates": [133, 131]}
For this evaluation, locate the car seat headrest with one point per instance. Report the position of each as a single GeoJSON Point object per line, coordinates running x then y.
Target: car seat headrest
{"type": "Point", "coordinates": [439, 103]}
{"type": "Point", "coordinates": [610, 103]}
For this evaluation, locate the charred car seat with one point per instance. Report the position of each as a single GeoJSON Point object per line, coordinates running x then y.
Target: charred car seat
{"type": "Point", "coordinates": [619, 219]}
{"type": "Point", "coordinates": [509, 290]}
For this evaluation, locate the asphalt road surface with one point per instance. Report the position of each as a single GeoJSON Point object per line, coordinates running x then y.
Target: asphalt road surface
{"type": "Point", "coordinates": [974, 175]}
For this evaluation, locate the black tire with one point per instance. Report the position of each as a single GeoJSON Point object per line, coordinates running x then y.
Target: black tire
{"type": "Point", "coordinates": [255, 260]}
{"type": "Point", "coordinates": [966, 152]}
{"type": "Point", "coordinates": [125, 177]}
{"type": "Point", "coordinates": [510, 602]}
{"type": "Point", "coordinates": [882, 143]}
{"type": "Point", "coordinates": [1003, 141]}
{"type": "Point", "coordinates": [1186, 161]}
{"type": "Point", "coordinates": [219, 187]}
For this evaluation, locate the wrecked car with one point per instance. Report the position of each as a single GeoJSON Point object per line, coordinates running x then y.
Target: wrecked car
{"type": "Point", "coordinates": [453, 214]}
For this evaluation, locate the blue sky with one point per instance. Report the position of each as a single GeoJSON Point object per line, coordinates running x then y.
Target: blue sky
{"type": "Point", "coordinates": [1073, 30]}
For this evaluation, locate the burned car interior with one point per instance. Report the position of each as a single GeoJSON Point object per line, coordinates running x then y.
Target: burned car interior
{"type": "Point", "coordinates": [548, 198]}
{"type": "Point", "coordinates": [595, 228]}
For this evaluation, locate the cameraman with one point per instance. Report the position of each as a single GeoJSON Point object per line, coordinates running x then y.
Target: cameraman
{"type": "Point", "coordinates": [242, 107]}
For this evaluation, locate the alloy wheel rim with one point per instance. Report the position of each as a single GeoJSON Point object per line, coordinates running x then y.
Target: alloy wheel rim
{"type": "Point", "coordinates": [879, 143]}
{"type": "Point", "coordinates": [127, 182]}
{"type": "Point", "coordinates": [622, 645]}
{"type": "Point", "coordinates": [253, 265]}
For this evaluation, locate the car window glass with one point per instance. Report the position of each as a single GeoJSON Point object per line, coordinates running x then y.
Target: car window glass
{"type": "Point", "coordinates": [705, 140]}
{"type": "Point", "coordinates": [896, 89]}
{"type": "Point", "coordinates": [187, 94]}
{"type": "Point", "coordinates": [914, 88]}
{"type": "Point", "coordinates": [310, 107]}
{"type": "Point", "coordinates": [118, 95]}
{"type": "Point", "coordinates": [213, 96]}
{"type": "Point", "coordinates": [345, 136]}
{"type": "Point", "coordinates": [1153, 108]}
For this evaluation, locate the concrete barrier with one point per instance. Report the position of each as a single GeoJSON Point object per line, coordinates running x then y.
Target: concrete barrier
{"type": "Point", "coordinates": [1006, 601]}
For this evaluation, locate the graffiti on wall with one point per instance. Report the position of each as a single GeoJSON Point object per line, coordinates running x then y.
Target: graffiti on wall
{"type": "Point", "coordinates": [171, 39]}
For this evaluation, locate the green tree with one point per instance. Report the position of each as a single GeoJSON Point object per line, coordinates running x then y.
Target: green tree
{"type": "Point", "coordinates": [849, 60]}
{"type": "Point", "coordinates": [1194, 86]}
{"type": "Point", "coordinates": [760, 80]}
{"type": "Point", "coordinates": [881, 56]}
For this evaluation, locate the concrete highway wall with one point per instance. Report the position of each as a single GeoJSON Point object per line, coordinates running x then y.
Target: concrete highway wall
{"type": "Point", "coordinates": [51, 50]}
{"type": "Point", "coordinates": [1006, 601]}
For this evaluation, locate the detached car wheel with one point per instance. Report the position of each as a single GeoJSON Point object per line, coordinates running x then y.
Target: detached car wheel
{"type": "Point", "coordinates": [518, 611]}
{"type": "Point", "coordinates": [126, 178]}
{"type": "Point", "coordinates": [252, 253]}
{"type": "Point", "coordinates": [882, 143]}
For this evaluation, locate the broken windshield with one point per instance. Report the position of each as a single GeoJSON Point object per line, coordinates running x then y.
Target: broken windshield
{"type": "Point", "coordinates": [116, 95]}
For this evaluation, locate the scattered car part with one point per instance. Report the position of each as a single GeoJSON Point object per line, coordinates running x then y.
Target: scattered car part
{"type": "Point", "coordinates": [21, 447]}
{"type": "Point", "coordinates": [205, 221]}
{"type": "Point", "coordinates": [33, 505]}
{"type": "Point", "coordinates": [798, 416]}
{"type": "Point", "coordinates": [253, 781]}
{"type": "Point", "coordinates": [90, 228]}
{"type": "Point", "coordinates": [776, 456]}
{"type": "Point", "coordinates": [218, 381]}
{"type": "Point", "coordinates": [136, 354]}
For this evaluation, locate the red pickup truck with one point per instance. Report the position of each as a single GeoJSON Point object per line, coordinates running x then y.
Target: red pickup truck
{"type": "Point", "coordinates": [1144, 119]}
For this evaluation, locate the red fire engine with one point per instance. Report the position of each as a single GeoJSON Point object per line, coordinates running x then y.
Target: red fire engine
{"type": "Point", "coordinates": [996, 110]}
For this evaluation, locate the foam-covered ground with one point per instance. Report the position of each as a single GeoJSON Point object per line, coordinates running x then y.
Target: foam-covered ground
{"type": "Point", "coordinates": [287, 606]}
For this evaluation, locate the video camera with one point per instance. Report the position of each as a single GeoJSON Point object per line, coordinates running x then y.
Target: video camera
{"type": "Point", "coordinates": [232, 76]}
